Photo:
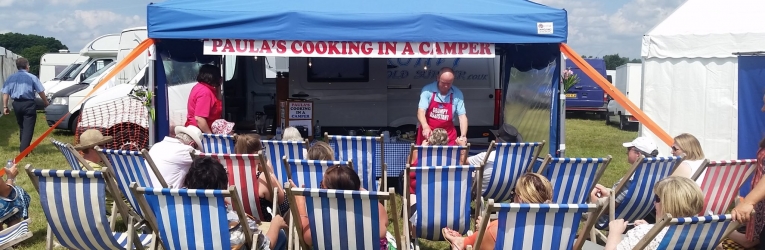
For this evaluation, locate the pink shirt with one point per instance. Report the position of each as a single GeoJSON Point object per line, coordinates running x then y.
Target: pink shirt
{"type": "Point", "coordinates": [203, 102]}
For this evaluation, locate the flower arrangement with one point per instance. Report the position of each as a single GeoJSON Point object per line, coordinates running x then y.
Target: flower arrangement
{"type": "Point", "coordinates": [143, 94]}
{"type": "Point", "coordinates": [569, 79]}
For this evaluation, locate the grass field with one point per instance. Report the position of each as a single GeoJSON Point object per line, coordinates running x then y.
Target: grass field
{"type": "Point", "coordinates": [584, 138]}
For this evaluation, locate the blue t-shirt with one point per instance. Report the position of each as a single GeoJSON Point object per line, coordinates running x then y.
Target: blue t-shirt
{"type": "Point", "coordinates": [22, 85]}
{"type": "Point", "coordinates": [458, 104]}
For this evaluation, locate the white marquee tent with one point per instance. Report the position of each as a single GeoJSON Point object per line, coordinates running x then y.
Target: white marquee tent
{"type": "Point", "coordinates": [690, 71]}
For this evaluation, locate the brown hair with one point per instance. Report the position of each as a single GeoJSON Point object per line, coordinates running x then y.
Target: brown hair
{"type": "Point", "coordinates": [342, 178]}
{"type": "Point", "coordinates": [209, 74]}
{"type": "Point", "coordinates": [690, 146]}
{"type": "Point", "coordinates": [534, 188]}
{"type": "Point", "coordinates": [438, 137]}
{"type": "Point", "coordinates": [247, 144]}
{"type": "Point", "coordinates": [22, 63]}
{"type": "Point", "coordinates": [321, 151]}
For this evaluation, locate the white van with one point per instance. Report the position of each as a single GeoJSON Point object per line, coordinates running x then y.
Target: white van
{"type": "Point", "coordinates": [630, 83]}
{"type": "Point", "coordinates": [53, 64]}
{"type": "Point", "coordinates": [98, 53]}
{"type": "Point", "coordinates": [67, 101]}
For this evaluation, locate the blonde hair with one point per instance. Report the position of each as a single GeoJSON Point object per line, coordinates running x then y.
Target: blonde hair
{"type": "Point", "coordinates": [291, 134]}
{"type": "Point", "coordinates": [247, 144]}
{"type": "Point", "coordinates": [321, 151]}
{"type": "Point", "coordinates": [438, 137]}
{"type": "Point", "coordinates": [690, 146]}
{"type": "Point", "coordinates": [534, 188]}
{"type": "Point", "coordinates": [679, 196]}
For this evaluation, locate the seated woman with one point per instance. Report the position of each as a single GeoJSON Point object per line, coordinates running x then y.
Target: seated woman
{"type": "Point", "coordinates": [687, 144]}
{"type": "Point", "coordinates": [340, 178]}
{"type": "Point", "coordinates": [321, 151]}
{"type": "Point", "coordinates": [530, 188]}
{"type": "Point", "coordinates": [438, 137]}
{"type": "Point", "coordinates": [207, 173]}
{"type": "Point", "coordinates": [675, 195]}
{"type": "Point", "coordinates": [250, 144]}
{"type": "Point", "coordinates": [13, 197]}
{"type": "Point", "coordinates": [292, 134]}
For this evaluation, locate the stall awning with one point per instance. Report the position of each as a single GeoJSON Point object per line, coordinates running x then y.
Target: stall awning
{"type": "Point", "coordinates": [486, 21]}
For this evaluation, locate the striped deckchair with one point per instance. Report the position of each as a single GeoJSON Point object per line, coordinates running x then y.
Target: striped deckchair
{"type": "Point", "coordinates": [535, 226]}
{"type": "Point", "coordinates": [275, 151]}
{"type": "Point", "coordinates": [218, 144]}
{"type": "Point", "coordinates": [191, 218]}
{"type": "Point", "coordinates": [74, 204]}
{"type": "Point", "coordinates": [721, 182]}
{"type": "Point", "coordinates": [361, 151]}
{"type": "Point", "coordinates": [573, 177]}
{"type": "Point", "coordinates": [511, 160]}
{"type": "Point", "coordinates": [342, 219]}
{"type": "Point", "coordinates": [309, 173]}
{"type": "Point", "coordinates": [438, 155]}
{"type": "Point", "coordinates": [701, 233]}
{"type": "Point", "coordinates": [71, 155]}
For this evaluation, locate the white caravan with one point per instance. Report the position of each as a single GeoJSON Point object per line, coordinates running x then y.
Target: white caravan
{"type": "Point", "coordinates": [629, 82]}
{"type": "Point", "coordinates": [53, 64]}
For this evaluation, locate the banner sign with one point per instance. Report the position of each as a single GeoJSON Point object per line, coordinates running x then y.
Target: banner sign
{"type": "Point", "coordinates": [248, 47]}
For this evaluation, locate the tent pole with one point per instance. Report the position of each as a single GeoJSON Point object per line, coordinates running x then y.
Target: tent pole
{"type": "Point", "coordinates": [562, 110]}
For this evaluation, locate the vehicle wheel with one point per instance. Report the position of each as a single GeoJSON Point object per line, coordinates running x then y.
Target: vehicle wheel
{"type": "Point", "coordinates": [622, 123]}
{"type": "Point", "coordinates": [608, 120]}
{"type": "Point", "coordinates": [74, 121]}
{"type": "Point", "coordinates": [128, 136]}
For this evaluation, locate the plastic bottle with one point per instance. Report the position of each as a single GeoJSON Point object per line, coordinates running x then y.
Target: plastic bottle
{"type": "Point", "coordinates": [317, 130]}
{"type": "Point", "coordinates": [8, 166]}
{"type": "Point", "coordinates": [279, 133]}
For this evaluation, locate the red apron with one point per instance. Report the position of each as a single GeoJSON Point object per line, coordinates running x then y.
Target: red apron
{"type": "Point", "coordinates": [439, 115]}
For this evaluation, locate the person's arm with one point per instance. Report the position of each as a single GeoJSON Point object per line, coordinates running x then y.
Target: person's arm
{"type": "Point", "coordinates": [202, 110]}
{"type": "Point", "coordinates": [463, 126]}
{"type": "Point", "coordinates": [43, 97]}
{"type": "Point", "coordinates": [6, 109]}
{"type": "Point", "coordinates": [743, 211]}
{"type": "Point", "coordinates": [383, 221]}
{"type": "Point", "coordinates": [616, 228]}
{"type": "Point", "coordinates": [459, 105]}
{"type": "Point", "coordinates": [5, 190]}
{"type": "Point", "coordinates": [684, 170]}
{"type": "Point", "coordinates": [421, 107]}
{"type": "Point", "coordinates": [40, 91]}
{"type": "Point", "coordinates": [202, 125]}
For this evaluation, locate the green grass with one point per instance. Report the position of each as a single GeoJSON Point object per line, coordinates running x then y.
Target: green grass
{"type": "Point", "coordinates": [584, 138]}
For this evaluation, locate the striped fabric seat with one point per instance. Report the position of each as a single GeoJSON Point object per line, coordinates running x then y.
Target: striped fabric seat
{"type": "Point", "coordinates": [535, 226]}
{"type": "Point", "coordinates": [275, 151]}
{"type": "Point", "coordinates": [443, 199]}
{"type": "Point", "coordinates": [14, 234]}
{"type": "Point", "coordinates": [243, 173]}
{"type": "Point", "coordinates": [577, 176]}
{"type": "Point", "coordinates": [701, 233]}
{"type": "Point", "coordinates": [439, 155]}
{"type": "Point", "coordinates": [361, 151]}
{"type": "Point", "coordinates": [342, 219]}
{"type": "Point", "coordinates": [722, 182]}
{"type": "Point", "coordinates": [127, 167]}
{"type": "Point", "coordinates": [69, 154]}
{"type": "Point", "coordinates": [310, 172]}
{"type": "Point", "coordinates": [511, 160]}
{"type": "Point", "coordinates": [217, 144]}
{"type": "Point", "coordinates": [639, 200]}
{"type": "Point", "coordinates": [73, 203]}
{"type": "Point", "coordinates": [191, 218]}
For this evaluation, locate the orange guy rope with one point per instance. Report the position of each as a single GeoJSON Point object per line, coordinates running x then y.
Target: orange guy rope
{"type": "Point", "coordinates": [117, 68]}
{"type": "Point", "coordinates": [616, 94]}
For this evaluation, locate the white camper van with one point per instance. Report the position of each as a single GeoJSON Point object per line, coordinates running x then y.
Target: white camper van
{"type": "Point", "coordinates": [66, 102]}
{"type": "Point", "coordinates": [97, 54]}
{"type": "Point", "coordinates": [53, 64]}
{"type": "Point", "coordinates": [629, 83]}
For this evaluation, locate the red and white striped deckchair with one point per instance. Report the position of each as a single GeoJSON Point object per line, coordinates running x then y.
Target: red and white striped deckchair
{"type": "Point", "coordinates": [721, 182]}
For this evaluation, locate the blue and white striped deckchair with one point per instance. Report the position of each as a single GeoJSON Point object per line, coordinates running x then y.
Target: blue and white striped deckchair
{"type": "Point", "coordinates": [534, 226]}
{"type": "Point", "coordinates": [275, 151]}
{"type": "Point", "coordinates": [15, 234]}
{"type": "Point", "coordinates": [638, 202]}
{"type": "Point", "coordinates": [218, 144]}
{"type": "Point", "coordinates": [361, 151]}
{"type": "Point", "coordinates": [438, 155]}
{"type": "Point", "coordinates": [702, 233]}
{"type": "Point", "coordinates": [70, 154]}
{"type": "Point", "coordinates": [573, 177]}
{"type": "Point", "coordinates": [511, 160]}
{"type": "Point", "coordinates": [74, 205]}
{"type": "Point", "coordinates": [191, 218]}
{"type": "Point", "coordinates": [309, 173]}
{"type": "Point", "coordinates": [443, 199]}
{"type": "Point", "coordinates": [127, 167]}
{"type": "Point", "coordinates": [342, 219]}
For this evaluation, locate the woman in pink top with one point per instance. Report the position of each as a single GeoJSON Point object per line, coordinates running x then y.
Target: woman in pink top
{"type": "Point", "coordinates": [204, 107]}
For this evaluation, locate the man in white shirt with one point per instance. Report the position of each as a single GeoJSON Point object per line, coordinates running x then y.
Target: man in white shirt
{"type": "Point", "coordinates": [171, 155]}
{"type": "Point", "coordinates": [506, 134]}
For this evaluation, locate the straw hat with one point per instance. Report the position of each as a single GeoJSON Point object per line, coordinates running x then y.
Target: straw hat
{"type": "Point", "coordinates": [91, 138]}
{"type": "Point", "coordinates": [193, 132]}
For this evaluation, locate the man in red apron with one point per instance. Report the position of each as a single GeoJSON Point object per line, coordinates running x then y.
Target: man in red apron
{"type": "Point", "coordinates": [439, 103]}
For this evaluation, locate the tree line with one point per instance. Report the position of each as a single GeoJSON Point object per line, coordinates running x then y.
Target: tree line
{"type": "Point", "coordinates": [30, 46]}
{"type": "Point", "coordinates": [613, 61]}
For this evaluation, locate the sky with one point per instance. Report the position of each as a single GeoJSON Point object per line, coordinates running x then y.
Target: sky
{"type": "Point", "coordinates": [596, 27]}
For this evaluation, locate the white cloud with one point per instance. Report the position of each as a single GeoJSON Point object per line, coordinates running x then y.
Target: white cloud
{"type": "Point", "coordinates": [68, 2]}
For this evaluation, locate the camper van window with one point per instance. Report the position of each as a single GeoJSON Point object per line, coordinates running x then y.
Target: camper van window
{"type": "Point", "coordinates": [98, 73]}
{"type": "Point", "coordinates": [68, 70]}
{"type": "Point", "coordinates": [96, 66]}
{"type": "Point", "coordinates": [273, 65]}
{"type": "Point", "coordinates": [321, 69]}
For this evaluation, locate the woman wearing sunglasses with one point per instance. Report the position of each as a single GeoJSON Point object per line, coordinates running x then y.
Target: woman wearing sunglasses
{"type": "Point", "coordinates": [687, 144]}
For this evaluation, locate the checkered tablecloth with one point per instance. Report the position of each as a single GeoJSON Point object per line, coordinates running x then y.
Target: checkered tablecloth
{"type": "Point", "coordinates": [395, 157]}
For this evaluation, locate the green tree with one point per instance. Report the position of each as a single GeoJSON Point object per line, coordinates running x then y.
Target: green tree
{"type": "Point", "coordinates": [30, 46]}
{"type": "Point", "coordinates": [613, 61]}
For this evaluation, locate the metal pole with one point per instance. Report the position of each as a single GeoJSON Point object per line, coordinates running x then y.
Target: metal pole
{"type": "Point", "coordinates": [150, 81]}
{"type": "Point", "coordinates": [562, 110]}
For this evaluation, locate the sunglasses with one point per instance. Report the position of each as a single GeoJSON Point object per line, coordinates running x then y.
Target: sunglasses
{"type": "Point", "coordinates": [675, 149]}
{"type": "Point", "coordinates": [656, 199]}
{"type": "Point", "coordinates": [629, 149]}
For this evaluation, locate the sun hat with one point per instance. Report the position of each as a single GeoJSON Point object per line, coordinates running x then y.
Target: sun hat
{"type": "Point", "coordinates": [193, 132]}
{"type": "Point", "coordinates": [643, 144]}
{"type": "Point", "coordinates": [222, 127]}
{"type": "Point", "coordinates": [91, 138]}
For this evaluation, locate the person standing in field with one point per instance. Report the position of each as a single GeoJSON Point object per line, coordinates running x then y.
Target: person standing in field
{"type": "Point", "coordinates": [21, 87]}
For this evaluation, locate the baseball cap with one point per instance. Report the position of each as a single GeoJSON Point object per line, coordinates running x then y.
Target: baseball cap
{"type": "Point", "coordinates": [643, 144]}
